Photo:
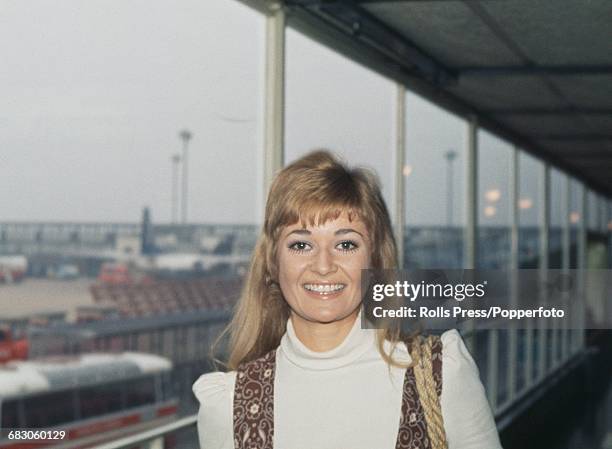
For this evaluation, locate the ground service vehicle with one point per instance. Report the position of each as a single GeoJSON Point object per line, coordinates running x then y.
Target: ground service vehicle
{"type": "Point", "coordinates": [82, 401]}
{"type": "Point", "coordinates": [12, 349]}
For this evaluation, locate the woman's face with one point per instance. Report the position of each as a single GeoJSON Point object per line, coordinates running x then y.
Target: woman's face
{"type": "Point", "coordinates": [320, 269]}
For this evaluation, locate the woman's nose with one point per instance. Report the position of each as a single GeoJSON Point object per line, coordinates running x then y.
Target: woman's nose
{"type": "Point", "coordinates": [324, 263]}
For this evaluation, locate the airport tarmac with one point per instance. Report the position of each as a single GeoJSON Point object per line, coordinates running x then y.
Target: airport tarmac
{"type": "Point", "coordinates": [44, 295]}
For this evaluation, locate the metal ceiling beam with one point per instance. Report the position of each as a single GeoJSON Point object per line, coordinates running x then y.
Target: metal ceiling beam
{"type": "Point", "coordinates": [373, 33]}
{"type": "Point", "coordinates": [549, 111]}
{"type": "Point", "coordinates": [533, 70]}
{"type": "Point", "coordinates": [358, 2]}
{"type": "Point", "coordinates": [577, 154]}
{"type": "Point", "coordinates": [598, 169]}
{"type": "Point", "coordinates": [593, 165]}
{"type": "Point", "coordinates": [573, 137]}
{"type": "Point", "coordinates": [307, 3]}
{"type": "Point", "coordinates": [365, 2]}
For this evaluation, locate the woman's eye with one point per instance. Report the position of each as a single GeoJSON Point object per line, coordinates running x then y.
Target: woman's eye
{"type": "Point", "coordinates": [299, 246]}
{"type": "Point", "coordinates": [348, 245]}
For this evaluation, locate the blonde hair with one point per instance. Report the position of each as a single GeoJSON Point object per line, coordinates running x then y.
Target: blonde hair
{"type": "Point", "coordinates": [312, 190]}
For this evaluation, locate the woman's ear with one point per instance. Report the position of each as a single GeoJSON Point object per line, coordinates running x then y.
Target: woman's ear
{"type": "Point", "coordinates": [269, 280]}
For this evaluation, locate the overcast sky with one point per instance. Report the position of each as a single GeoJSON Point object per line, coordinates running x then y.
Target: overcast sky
{"type": "Point", "coordinates": [94, 94]}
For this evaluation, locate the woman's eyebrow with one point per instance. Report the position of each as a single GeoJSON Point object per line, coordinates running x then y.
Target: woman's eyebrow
{"type": "Point", "coordinates": [338, 232]}
{"type": "Point", "coordinates": [300, 232]}
{"type": "Point", "coordinates": [347, 231]}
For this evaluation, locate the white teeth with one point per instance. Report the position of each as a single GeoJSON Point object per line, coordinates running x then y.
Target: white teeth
{"type": "Point", "coordinates": [324, 288]}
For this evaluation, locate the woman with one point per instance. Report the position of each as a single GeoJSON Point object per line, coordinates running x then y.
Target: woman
{"type": "Point", "coordinates": [303, 373]}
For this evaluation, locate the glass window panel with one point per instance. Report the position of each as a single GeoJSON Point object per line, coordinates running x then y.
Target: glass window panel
{"type": "Point", "coordinates": [435, 186]}
{"type": "Point", "coordinates": [558, 185]}
{"type": "Point", "coordinates": [558, 188]}
{"type": "Point", "coordinates": [559, 350]}
{"type": "Point", "coordinates": [603, 214]}
{"type": "Point", "coordinates": [494, 221]}
{"type": "Point", "coordinates": [599, 209]}
{"type": "Point", "coordinates": [504, 364]}
{"type": "Point", "coordinates": [334, 103]}
{"type": "Point", "coordinates": [549, 348]}
{"type": "Point", "coordinates": [592, 211]}
{"type": "Point", "coordinates": [575, 218]}
{"type": "Point", "coordinates": [609, 233]}
{"type": "Point", "coordinates": [528, 207]}
{"type": "Point", "coordinates": [521, 355]}
{"type": "Point", "coordinates": [535, 352]}
{"type": "Point", "coordinates": [494, 208]}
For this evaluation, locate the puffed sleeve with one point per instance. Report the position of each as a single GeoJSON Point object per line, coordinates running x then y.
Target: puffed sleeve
{"type": "Point", "coordinates": [468, 420]}
{"type": "Point", "coordinates": [215, 393]}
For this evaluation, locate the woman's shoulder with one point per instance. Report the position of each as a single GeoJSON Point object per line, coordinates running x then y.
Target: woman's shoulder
{"type": "Point", "coordinates": [468, 420]}
{"type": "Point", "coordinates": [460, 376]}
{"type": "Point", "coordinates": [213, 387]}
{"type": "Point", "coordinates": [215, 392]}
{"type": "Point", "coordinates": [455, 355]}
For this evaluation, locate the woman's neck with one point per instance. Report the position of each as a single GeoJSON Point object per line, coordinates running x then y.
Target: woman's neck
{"type": "Point", "coordinates": [321, 337]}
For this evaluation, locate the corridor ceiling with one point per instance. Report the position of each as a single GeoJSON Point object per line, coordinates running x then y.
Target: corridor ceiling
{"type": "Point", "coordinates": [535, 72]}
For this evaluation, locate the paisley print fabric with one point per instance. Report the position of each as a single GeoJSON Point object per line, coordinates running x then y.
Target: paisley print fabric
{"type": "Point", "coordinates": [254, 405]}
{"type": "Point", "coordinates": [413, 428]}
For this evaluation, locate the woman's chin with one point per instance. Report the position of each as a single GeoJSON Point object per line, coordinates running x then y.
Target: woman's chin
{"type": "Point", "coordinates": [327, 315]}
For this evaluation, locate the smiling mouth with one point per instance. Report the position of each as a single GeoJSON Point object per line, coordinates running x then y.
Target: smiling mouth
{"type": "Point", "coordinates": [324, 289]}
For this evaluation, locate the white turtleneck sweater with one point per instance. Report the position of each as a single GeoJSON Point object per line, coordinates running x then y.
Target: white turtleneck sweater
{"type": "Point", "coordinates": [349, 397]}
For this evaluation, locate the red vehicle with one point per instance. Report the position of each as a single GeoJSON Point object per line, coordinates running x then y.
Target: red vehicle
{"type": "Point", "coordinates": [120, 274]}
{"type": "Point", "coordinates": [11, 349]}
{"type": "Point", "coordinates": [115, 274]}
{"type": "Point", "coordinates": [81, 402]}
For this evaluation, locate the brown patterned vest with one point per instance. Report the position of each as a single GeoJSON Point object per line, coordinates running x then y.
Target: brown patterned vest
{"type": "Point", "coordinates": [254, 405]}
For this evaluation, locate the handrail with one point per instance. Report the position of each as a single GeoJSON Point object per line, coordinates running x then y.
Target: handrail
{"type": "Point", "coordinates": [151, 436]}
